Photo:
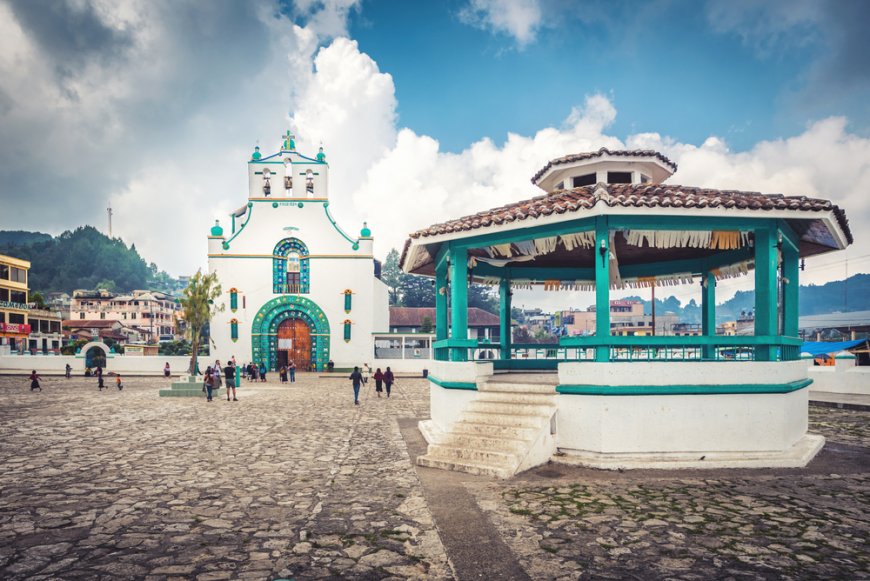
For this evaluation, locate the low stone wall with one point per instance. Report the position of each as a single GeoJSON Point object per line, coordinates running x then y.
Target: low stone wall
{"type": "Point", "coordinates": [124, 364]}
{"type": "Point", "coordinates": [843, 377]}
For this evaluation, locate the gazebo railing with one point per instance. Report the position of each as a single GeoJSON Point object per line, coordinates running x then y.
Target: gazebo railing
{"type": "Point", "coordinates": [625, 349]}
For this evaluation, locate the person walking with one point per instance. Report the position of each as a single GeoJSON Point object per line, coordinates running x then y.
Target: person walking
{"type": "Point", "coordinates": [218, 373]}
{"type": "Point", "coordinates": [230, 376]}
{"type": "Point", "coordinates": [118, 383]}
{"type": "Point", "coordinates": [356, 377]}
{"type": "Point", "coordinates": [292, 369]}
{"type": "Point", "coordinates": [379, 381]}
{"type": "Point", "coordinates": [167, 372]}
{"type": "Point", "coordinates": [34, 381]}
{"type": "Point", "coordinates": [262, 371]}
{"type": "Point", "coordinates": [366, 373]}
{"type": "Point", "coordinates": [282, 373]}
{"type": "Point", "coordinates": [99, 375]}
{"type": "Point", "coordinates": [68, 370]}
{"type": "Point", "coordinates": [389, 378]}
{"type": "Point", "coordinates": [209, 383]}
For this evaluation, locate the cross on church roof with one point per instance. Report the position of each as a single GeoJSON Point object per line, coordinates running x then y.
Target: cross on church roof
{"type": "Point", "coordinates": [289, 143]}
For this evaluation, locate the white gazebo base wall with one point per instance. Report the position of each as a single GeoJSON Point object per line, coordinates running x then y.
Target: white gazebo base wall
{"type": "Point", "coordinates": [685, 428]}
{"type": "Point", "coordinates": [447, 403]}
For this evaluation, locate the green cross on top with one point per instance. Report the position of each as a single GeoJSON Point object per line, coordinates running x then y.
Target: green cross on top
{"type": "Point", "coordinates": [289, 143]}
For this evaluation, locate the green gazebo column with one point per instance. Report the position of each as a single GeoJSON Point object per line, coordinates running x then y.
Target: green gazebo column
{"type": "Point", "coordinates": [459, 301]}
{"type": "Point", "coordinates": [602, 287]}
{"type": "Point", "coordinates": [765, 290]}
{"type": "Point", "coordinates": [708, 312]}
{"type": "Point", "coordinates": [791, 284]}
{"type": "Point", "coordinates": [504, 311]}
{"type": "Point", "coordinates": [441, 325]}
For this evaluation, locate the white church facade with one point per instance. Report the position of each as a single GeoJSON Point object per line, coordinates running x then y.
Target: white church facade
{"type": "Point", "coordinates": [295, 285]}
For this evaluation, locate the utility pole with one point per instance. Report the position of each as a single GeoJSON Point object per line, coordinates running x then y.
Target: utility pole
{"type": "Point", "coordinates": [109, 212]}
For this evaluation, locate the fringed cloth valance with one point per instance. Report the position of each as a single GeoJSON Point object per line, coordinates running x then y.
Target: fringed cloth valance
{"type": "Point", "coordinates": [675, 279]}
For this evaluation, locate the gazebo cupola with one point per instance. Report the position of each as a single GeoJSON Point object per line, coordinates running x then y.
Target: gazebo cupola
{"type": "Point", "coordinates": [641, 166]}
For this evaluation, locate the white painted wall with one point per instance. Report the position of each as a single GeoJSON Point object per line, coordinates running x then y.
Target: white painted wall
{"type": "Point", "coordinates": [841, 379]}
{"type": "Point", "coordinates": [446, 405]}
{"type": "Point", "coordinates": [682, 373]}
{"type": "Point", "coordinates": [124, 364]}
{"type": "Point", "coordinates": [681, 423]}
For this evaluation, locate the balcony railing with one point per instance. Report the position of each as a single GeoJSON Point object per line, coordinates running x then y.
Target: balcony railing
{"type": "Point", "coordinates": [624, 349]}
{"type": "Point", "coordinates": [288, 289]}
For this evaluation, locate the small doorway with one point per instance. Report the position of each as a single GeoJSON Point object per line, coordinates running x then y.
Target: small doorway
{"type": "Point", "coordinates": [95, 357]}
{"type": "Point", "coordinates": [294, 344]}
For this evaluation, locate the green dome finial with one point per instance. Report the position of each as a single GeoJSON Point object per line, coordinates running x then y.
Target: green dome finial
{"type": "Point", "coordinates": [256, 155]}
{"type": "Point", "coordinates": [365, 232]}
{"type": "Point", "coordinates": [321, 157]}
{"type": "Point", "coordinates": [216, 230]}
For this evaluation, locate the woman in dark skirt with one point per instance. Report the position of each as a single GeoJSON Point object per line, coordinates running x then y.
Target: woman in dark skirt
{"type": "Point", "coordinates": [379, 381]}
{"type": "Point", "coordinates": [34, 381]}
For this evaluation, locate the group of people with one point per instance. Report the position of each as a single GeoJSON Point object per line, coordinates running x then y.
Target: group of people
{"type": "Point", "coordinates": [254, 372]}
{"type": "Point", "coordinates": [216, 374]}
{"type": "Point", "coordinates": [285, 370]}
{"type": "Point", "coordinates": [361, 377]}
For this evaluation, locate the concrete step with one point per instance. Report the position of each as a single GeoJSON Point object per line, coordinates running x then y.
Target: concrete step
{"type": "Point", "coordinates": [496, 419]}
{"type": "Point", "coordinates": [472, 455]}
{"type": "Point", "coordinates": [510, 408]}
{"type": "Point", "coordinates": [478, 442]}
{"type": "Point", "coordinates": [507, 386]}
{"type": "Point", "coordinates": [467, 467]}
{"type": "Point", "coordinates": [516, 397]}
{"type": "Point", "coordinates": [493, 431]}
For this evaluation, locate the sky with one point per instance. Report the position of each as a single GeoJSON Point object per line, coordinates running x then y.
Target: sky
{"type": "Point", "coordinates": [427, 110]}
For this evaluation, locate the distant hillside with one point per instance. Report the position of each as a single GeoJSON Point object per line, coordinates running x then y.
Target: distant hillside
{"type": "Point", "coordinates": [84, 258]}
{"type": "Point", "coordinates": [21, 237]}
{"type": "Point", "coordinates": [852, 294]}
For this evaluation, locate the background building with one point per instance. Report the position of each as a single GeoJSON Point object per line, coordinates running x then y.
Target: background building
{"type": "Point", "coordinates": [152, 314]}
{"type": "Point", "coordinates": [14, 326]}
{"type": "Point", "coordinates": [626, 318]}
{"type": "Point", "coordinates": [46, 335]}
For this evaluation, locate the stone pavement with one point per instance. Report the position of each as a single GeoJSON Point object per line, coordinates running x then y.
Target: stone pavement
{"type": "Point", "coordinates": [290, 481]}
{"type": "Point", "coordinates": [297, 482]}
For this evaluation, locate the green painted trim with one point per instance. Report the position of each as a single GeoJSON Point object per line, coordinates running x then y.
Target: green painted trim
{"type": "Point", "coordinates": [458, 343]}
{"type": "Point", "coordinates": [695, 266]}
{"type": "Point", "coordinates": [338, 229]}
{"type": "Point", "coordinates": [790, 290]}
{"type": "Point", "coordinates": [586, 224]}
{"type": "Point", "coordinates": [845, 356]}
{"type": "Point", "coordinates": [683, 389]}
{"type": "Point", "coordinates": [533, 272]}
{"type": "Point", "coordinates": [766, 296]}
{"type": "Point", "coordinates": [453, 384]}
{"type": "Point", "coordinates": [226, 245]}
{"type": "Point", "coordinates": [289, 202]}
{"type": "Point", "coordinates": [504, 316]}
{"type": "Point", "coordinates": [602, 285]}
{"type": "Point", "coordinates": [442, 329]}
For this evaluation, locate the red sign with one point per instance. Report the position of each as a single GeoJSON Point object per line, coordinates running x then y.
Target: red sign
{"type": "Point", "coordinates": [15, 328]}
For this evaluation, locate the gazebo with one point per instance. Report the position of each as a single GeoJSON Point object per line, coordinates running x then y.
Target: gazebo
{"type": "Point", "coordinates": [609, 222]}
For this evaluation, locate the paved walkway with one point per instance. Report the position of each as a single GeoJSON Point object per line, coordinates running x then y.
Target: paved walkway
{"type": "Point", "coordinates": [297, 482]}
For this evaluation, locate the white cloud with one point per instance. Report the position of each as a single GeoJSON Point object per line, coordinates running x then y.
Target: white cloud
{"type": "Point", "coordinates": [517, 18]}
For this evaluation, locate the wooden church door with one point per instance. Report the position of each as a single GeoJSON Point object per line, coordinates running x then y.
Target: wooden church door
{"type": "Point", "coordinates": [294, 344]}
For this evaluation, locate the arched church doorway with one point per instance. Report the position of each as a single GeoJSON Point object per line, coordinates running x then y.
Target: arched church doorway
{"type": "Point", "coordinates": [294, 344]}
{"type": "Point", "coordinates": [95, 357]}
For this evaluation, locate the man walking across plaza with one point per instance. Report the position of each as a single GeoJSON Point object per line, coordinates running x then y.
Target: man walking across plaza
{"type": "Point", "coordinates": [356, 377]}
{"type": "Point", "coordinates": [230, 376]}
{"type": "Point", "coordinates": [389, 378]}
{"type": "Point", "coordinates": [99, 375]}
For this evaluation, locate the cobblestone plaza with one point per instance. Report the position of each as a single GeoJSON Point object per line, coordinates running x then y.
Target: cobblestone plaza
{"type": "Point", "coordinates": [294, 481]}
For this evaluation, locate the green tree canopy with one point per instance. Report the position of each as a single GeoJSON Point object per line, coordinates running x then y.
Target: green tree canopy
{"type": "Point", "coordinates": [198, 307]}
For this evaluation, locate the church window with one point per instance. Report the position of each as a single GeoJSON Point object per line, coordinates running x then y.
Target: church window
{"type": "Point", "coordinates": [290, 272]}
{"type": "Point", "coordinates": [619, 177]}
{"type": "Point", "coordinates": [348, 297]}
{"type": "Point", "coordinates": [347, 325]}
{"type": "Point", "coordinates": [309, 182]}
{"type": "Point", "coordinates": [234, 299]}
{"type": "Point", "coordinates": [234, 329]}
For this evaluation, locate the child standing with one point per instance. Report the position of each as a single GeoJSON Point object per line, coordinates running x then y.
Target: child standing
{"type": "Point", "coordinates": [118, 381]}
{"type": "Point", "coordinates": [34, 381]}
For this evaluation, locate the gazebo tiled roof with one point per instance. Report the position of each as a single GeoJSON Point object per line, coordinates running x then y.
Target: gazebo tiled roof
{"type": "Point", "coordinates": [634, 196]}
{"type": "Point", "coordinates": [601, 153]}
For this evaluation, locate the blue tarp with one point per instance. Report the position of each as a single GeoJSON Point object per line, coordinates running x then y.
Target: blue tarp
{"type": "Point", "coordinates": [824, 347]}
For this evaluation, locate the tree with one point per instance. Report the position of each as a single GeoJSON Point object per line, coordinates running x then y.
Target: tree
{"type": "Point", "coordinates": [417, 291]}
{"type": "Point", "coordinates": [198, 307]}
{"type": "Point", "coordinates": [392, 276]}
{"type": "Point", "coordinates": [426, 325]}
{"type": "Point", "coordinates": [37, 298]}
